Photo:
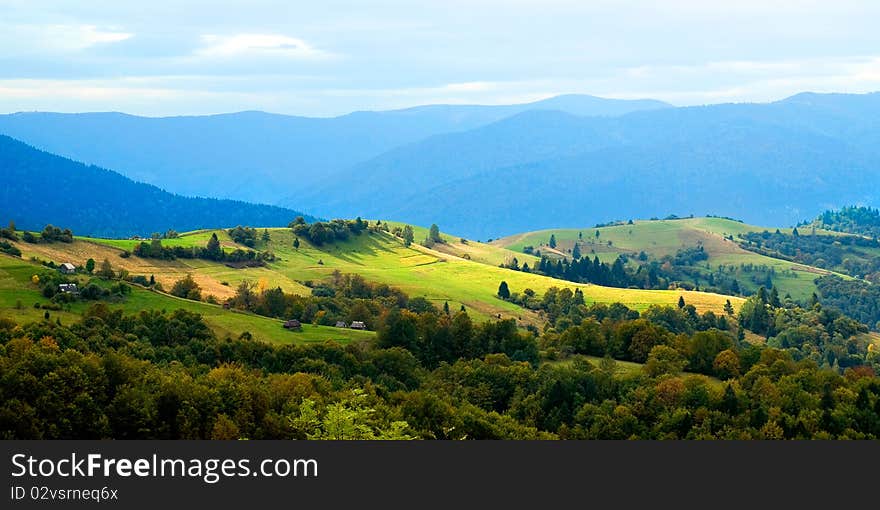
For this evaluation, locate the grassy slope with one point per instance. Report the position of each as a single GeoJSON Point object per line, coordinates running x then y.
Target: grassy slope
{"type": "Point", "coordinates": [665, 237]}
{"type": "Point", "coordinates": [15, 286]}
{"type": "Point", "coordinates": [379, 257]}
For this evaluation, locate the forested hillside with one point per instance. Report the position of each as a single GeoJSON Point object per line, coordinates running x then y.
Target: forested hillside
{"type": "Point", "coordinates": [41, 188]}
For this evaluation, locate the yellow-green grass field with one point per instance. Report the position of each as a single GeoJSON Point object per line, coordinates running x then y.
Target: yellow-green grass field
{"type": "Point", "coordinates": [379, 257]}
{"type": "Point", "coordinates": [664, 237]}
{"type": "Point", "coordinates": [16, 287]}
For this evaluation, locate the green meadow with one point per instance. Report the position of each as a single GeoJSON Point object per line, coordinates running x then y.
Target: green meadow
{"type": "Point", "coordinates": [460, 273]}
{"type": "Point", "coordinates": [16, 287]}
{"type": "Point", "coordinates": [659, 238]}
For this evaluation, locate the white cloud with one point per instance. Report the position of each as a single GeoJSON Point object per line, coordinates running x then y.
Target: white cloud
{"type": "Point", "coordinates": [56, 38]}
{"type": "Point", "coordinates": [266, 44]}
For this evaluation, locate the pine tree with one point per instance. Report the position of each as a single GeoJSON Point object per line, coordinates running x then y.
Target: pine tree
{"type": "Point", "coordinates": [266, 235]}
{"type": "Point", "coordinates": [681, 301]}
{"type": "Point", "coordinates": [503, 291]}
{"type": "Point", "coordinates": [296, 243]}
{"type": "Point", "coordinates": [408, 235]}
{"type": "Point", "coordinates": [552, 241]}
{"type": "Point", "coordinates": [446, 307]}
{"type": "Point", "coordinates": [576, 252]}
{"type": "Point", "coordinates": [728, 308]}
{"type": "Point", "coordinates": [213, 250]}
{"type": "Point", "coordinates": [774, 298]}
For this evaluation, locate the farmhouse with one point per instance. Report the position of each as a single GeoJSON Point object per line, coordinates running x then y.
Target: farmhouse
{"type": "Point", "coordinates": [67, 268]}
{"type": "Point", "coordinates": [292, 324]}
{"type": "Point", "coordinates": [68, 288]}
{"type": "Point", "coordinates": [341, 324]}
{"type": "Point", "coordinates": [358, 325]}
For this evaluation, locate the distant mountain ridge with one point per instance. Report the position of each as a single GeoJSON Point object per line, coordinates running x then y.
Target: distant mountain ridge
{"type": "Point", "coordinates": [496, 170]}
{"type": "Point", "coordinates": [41, 188]}
{"type": "Point", "coordinates": [258, 156]}
{"type": "Point", "coordinates": [767, 163]}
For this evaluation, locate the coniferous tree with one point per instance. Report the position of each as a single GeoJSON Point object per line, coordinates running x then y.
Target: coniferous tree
{"type": "Point", "coordinates": [213, 251]}
{"type": "Point", "coordinates": [552, 243]}
{"type": "Point", "coordinates": [503, 291]}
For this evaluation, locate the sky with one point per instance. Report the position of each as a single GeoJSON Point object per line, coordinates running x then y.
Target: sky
{"type": "Point", "coordinates": [331, 57]}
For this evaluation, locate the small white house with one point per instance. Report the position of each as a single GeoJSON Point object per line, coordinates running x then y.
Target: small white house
{"type": "Point", "coordinates": [67, 268]}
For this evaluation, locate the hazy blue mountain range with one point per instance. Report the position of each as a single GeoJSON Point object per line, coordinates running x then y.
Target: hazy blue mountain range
{"type": "Point", "coordinates": [257, 156]}
{"type": "Point", "coordinates": [771, 163]}
{"type": "Point", "coordinates": [41, 188]}
{"type": "Point", "coordinates": [492, 171]}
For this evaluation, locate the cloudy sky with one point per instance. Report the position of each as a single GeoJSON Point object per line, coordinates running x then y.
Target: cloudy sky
{"type": "Point", "coordinates": [324, 58]}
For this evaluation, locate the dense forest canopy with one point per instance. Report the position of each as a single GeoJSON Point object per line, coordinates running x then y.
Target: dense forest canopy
{"type": "Point", "coordinates": [433, 373]}
{"type": "Point", "coordinates": [852, 219]}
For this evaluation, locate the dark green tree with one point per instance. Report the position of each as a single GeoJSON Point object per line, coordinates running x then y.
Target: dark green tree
{"type": "Point", "coordinates": [552, 240]}
{"type": "Point", "coordinates": [296, 243]}
{"type": "Point", "coordinates": [434, 233]}
{"type": "Point", "coordinates": [90, 266]}
{"type": "Point", "coordinates": [213, 251]}
{"type": "Point", "coordinates": [728, 308]}
{"type": "Point", "coordinates": [408, 235]}
{"type": "Point", "coordinates": [503, 291]}
{"type": "Point", "coordinates": [681, 301]}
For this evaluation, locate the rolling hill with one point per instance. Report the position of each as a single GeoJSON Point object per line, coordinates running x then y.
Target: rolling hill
{"type": "Point", "coordinates": [461, 274]}
{"type": "Point", "coordinates": [258, 156]}
{"type": "Point", "coordinates": [41, 188]}
{"type": "Point", "coordinates": [660, 238]}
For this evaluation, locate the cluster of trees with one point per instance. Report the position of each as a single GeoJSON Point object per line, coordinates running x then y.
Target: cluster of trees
{"type": "Point", "coordinates": [187, 288]}
{"type": "Point", "coordinates": [853, 255]}
{"type": "Point", "coordinates": [857, 299]}
{"type": "Point", "coordinates": [50, 234]}
{"type": "Point", "coordinates": [211, 251]}
{"type": "Point", "coordinates": [9, 248]}
{"type": "Point", "coordinates": [9, 232]}
{"type": "Point", "coordinates": [167, 376]}
{"type": "Point", "coordinates": [248, 235]}
{"type": "Point", "coordinates": [819, 333]}
{"type": "Point", "coordinates": [319, 232]}
{"type": "Point", "coordinates": [433, 237]}
{"type": "Point", "coordinates": [563, 308]}
{"type": "Point", "coordinates": [863, 221]}
{"type": "Point", "coordinates": [347, 297]}
{"type": "Point", "coordinates": [655, 274]}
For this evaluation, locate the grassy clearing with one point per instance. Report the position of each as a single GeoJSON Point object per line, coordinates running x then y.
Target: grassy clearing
{"type": "Point", "coordinates": [631, 368]}
{"type": "Point", "coordinates": [665, 237]}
